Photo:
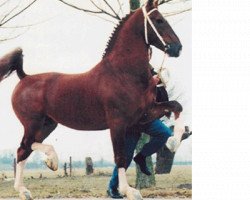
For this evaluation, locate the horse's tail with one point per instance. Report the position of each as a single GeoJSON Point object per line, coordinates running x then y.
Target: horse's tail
{"type": "Point", "coordinates": [11, 62]}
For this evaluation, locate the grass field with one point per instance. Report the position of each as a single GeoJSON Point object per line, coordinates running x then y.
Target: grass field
{"type": "Point", "coordinates": [53, 185]}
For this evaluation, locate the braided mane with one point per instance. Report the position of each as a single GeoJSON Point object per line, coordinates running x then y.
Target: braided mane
{"type": "Point", "coordinates": [114, 35]}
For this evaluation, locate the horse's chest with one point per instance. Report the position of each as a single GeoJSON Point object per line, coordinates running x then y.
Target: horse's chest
{"type": "Point", "coordinates": [137, 101]}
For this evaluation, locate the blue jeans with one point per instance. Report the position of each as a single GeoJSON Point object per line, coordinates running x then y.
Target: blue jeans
{"type": "Point", "coordinates": [159, 134]}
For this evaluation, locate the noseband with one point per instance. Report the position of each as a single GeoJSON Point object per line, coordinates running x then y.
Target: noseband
{"type": "Point", "coordinates": [147, 19]}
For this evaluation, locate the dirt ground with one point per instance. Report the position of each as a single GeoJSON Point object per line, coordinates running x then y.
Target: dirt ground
{"type": "Point", "coordinates": [174, 186]}
{"type": "Point", "coordinates": [110, 198]}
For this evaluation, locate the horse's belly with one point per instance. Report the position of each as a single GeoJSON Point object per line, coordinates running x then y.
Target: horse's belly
{"type": "Point", "coordinates": [85, 126]}
{"type": "Point", "coordinates": [81, 113]}
{"type": "Point", "coordinates": [84, 121]}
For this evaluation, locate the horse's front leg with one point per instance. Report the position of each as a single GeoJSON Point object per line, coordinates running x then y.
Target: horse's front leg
{"type": "Point", "coordinates": [174, 141]}
{"type": "Point", "coordinates": [131, 193]}
{"type": "Point", "coordinates": [118, 133]}
{"type": "Point", "coordinates": [160, 109]}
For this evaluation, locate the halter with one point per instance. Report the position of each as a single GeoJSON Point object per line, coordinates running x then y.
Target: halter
{"type": "Point", "coordinates": [147, 19]}
{"type": "Point", "coordinates": [167, 46]}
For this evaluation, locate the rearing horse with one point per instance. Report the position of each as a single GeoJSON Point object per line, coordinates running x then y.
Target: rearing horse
{"type": "Point", "coordinates": [115, 94]}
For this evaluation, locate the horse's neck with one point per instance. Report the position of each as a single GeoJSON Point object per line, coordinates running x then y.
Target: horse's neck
{"type": "Point", "coordinates": [130, 53]}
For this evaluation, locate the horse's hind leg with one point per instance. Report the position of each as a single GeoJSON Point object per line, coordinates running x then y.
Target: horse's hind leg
{"type": "Point", "coordinates": [23, 152]}
{"type": "Point", "coordinates": [35, 132]}
{"type": "Point", "coordinates": [52, 158]}
{"type": "Point", "coordinates": [19, 186]}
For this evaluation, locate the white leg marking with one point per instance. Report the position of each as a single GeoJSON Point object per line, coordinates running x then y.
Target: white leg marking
{"type": "Point", "coordinates": [174, 141]}
{"type": "Point", "coordinates": [123, 183]}
{"type": "Point", "coordinates": [131, 193]}
{"type": "Point", "coordinates": [19, 186]}
{"type": "Point", "coordinates": [19, 175]}
{"type": "Point", "coordinates": [179, 128]}
{"type": "Point", "coordinates": [52, 158]}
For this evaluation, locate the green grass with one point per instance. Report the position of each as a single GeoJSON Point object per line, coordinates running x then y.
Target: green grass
{"type": "Point", "coordinates": [79, 185]}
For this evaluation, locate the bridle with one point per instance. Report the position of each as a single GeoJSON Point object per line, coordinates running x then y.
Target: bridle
{"type": "Point", "coordinates": [167, 46]}
{"type": "Point", "coordinates": [147, 19]}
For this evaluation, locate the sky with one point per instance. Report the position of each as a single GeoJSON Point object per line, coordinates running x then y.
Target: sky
{"type": "Point", "coordinates": [70, 41]}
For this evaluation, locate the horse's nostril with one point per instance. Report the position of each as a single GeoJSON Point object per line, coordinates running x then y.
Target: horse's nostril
{"type": "Point", "coordinates": [174, 49]}
{"type": "Point", "coordinates": [180, 47]}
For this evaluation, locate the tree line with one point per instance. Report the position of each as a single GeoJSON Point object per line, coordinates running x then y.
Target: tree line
{"type": "Point", "coordinates": [7, 160]}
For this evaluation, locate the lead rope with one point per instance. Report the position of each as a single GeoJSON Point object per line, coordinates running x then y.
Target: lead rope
{"type": "Point", "coordinates": [159, 73]}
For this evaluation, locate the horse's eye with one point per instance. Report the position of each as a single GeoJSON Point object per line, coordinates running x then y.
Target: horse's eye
{"type": "Point", "coordinates": [159, 21]}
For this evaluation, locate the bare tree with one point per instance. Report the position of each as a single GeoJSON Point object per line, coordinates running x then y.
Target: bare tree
{"type": "Point", "coordinates": [108, 10]}
{"type": "Point", "coordinates": [102, 9]}
{"type": "Point", "coordinates": [10, 10]}
{"type": "Point", "coordinates": [142, 180]}
{"type": "Point", "coordinates": [13, 12]}
{"type": "Point", "coordinates": [113, 11]}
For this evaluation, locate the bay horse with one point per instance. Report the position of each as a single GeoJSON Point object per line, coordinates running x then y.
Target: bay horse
{"type": "Point", "coordinates": [115, 94]}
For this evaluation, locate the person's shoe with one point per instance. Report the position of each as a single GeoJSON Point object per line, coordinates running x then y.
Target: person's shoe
{"type": "Point", "coordinates": [114, 193]}
{"type": "Point", "coordinates": [141, 161]}
{"type": "Point", "coordinates": [173, 144]}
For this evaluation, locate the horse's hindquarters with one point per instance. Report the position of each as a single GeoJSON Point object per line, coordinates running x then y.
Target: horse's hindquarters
{"type": "Point", "coordinates": [67, 99]}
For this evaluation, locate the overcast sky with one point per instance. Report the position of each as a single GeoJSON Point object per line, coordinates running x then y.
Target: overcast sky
{"type": "Point", "coordinates": [70, 41]}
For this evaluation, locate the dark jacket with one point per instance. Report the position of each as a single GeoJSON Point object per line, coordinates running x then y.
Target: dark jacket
{"type": "Point", "coordinates": [161, 92]}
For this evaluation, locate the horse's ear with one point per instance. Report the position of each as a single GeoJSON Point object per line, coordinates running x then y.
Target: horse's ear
{"type": "Point", "coordinates": [152, 3]}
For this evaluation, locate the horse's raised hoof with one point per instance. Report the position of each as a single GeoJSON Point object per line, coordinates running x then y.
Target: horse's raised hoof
{"type": "Point", "coordinates": [52, 163]}
{"type": "Point", "coordinates": [173, 144]}
{"type": "Point", "coordinates": [133, 194]}
{"type": "Point", "coordinates": [25, 195]}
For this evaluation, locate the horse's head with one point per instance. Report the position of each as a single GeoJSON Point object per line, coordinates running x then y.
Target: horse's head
{"type": "Point", "coordinates": [158, 32]}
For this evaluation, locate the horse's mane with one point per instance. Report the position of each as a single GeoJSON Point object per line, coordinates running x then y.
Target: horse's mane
{"type": "Point", "coordinates": [114, 34]}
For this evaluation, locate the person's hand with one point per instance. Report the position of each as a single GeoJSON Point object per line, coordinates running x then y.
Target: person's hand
{"type": "Point", "coordinates": [156, 79]}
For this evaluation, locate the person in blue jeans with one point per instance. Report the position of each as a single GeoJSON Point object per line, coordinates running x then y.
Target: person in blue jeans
{"type": "Point", "coordinates": [159, 134]}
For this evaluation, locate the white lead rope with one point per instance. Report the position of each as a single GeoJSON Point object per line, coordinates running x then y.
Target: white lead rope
{"type": "Point", "coordinates": [159, 73]}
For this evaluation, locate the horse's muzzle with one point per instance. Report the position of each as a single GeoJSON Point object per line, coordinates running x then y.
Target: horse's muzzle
{"type": "Point", "coordinates": [173, 49]}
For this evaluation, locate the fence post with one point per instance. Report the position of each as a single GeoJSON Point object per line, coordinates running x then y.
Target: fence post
{"type": "Point", "coordinates": [89, 165]}
{"type": "Point", "coordinates": [70, 166]}
{"type": "Point", "coordinates": [14, 165]}
{"type": "Point", "coordinates": [65, 169]}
